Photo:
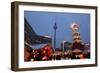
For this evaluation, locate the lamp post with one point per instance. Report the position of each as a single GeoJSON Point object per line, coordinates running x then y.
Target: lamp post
{"type": "Point", "coordinates": [64, 44]}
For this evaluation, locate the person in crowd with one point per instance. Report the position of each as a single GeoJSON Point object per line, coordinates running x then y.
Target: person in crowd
{"type": "Point", "coordinates": [46, 52]}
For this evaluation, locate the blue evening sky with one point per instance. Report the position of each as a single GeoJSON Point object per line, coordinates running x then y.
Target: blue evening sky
{"type": "Point", "coordinates": [43, 22]}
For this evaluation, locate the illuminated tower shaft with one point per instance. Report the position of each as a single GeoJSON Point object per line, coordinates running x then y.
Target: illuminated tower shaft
{"type": "Point", "coordinates": [75, 33]}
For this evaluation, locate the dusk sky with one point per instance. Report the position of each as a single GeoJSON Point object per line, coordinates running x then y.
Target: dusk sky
{"type": "Point", "coordinates": [43, 22]}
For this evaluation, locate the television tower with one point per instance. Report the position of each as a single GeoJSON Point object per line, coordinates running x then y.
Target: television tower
{"type": "Point", "coordinates": [55, 28]}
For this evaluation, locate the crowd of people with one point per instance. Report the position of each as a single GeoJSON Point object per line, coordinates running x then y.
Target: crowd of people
{"type": "Point", "coordinates": [46, 53]}
{"type": "Point", "coordinates": [41, 54]}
